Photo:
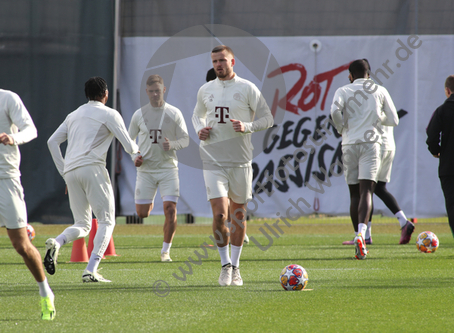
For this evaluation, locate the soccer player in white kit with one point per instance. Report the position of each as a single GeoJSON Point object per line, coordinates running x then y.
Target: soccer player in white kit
{"type": "Point", "coordinates": [211, 75]}
{"type": "Point", "coordinates": [16, 128]}
{"type": "Point", "coordinates": [89, 131]}
{"type": "Point", "coordinates": [388, 151]}
{"type": "Point", "coordinates": [224, 121]}
{"type": "Point", "coordinates": [359, 110]}
{"type": "Point", "coordinates": [162, 131]}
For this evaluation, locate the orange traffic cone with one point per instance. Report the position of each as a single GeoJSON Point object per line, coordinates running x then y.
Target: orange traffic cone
{"type": "Point", "coordinates": [94, 229]}
{"type": "Point", "coordinates": [79, 251]}
{"type": "Point", "coordinates": [110, 251]}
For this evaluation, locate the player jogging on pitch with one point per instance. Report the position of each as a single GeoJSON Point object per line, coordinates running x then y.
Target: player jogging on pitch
{"type": "Point", "coordinates": [16, 128]}
{"type": "Point", "coordinates": [224, 121]}
{"type": "Point", "coordinates": [358, 111]}
{"type": "Point", "coordinates": [211, 75]}
{"type": "Point", "coordinates": [89, 131]}
{"type": "Point", "coordinates": [388, 151]}
{"type": "Point", "coordinates": [162, 131]}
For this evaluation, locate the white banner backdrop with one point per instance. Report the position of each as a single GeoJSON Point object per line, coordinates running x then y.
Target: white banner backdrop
{"type": "Point", "coordinates": [412, 68]}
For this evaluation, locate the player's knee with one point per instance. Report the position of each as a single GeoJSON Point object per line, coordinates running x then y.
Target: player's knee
{"type": "Point", "coordinates": [22, 248]}
{"type": "Point", "coordinates": [170, 210]}
{"type": "Point", "coordinates": [239, 215]}
{"type": "Point", "coordinates": [220, 217]}
{"type": "Point", "coordinates": [380, 191]}
{"type": "Point", "coordinates": [142, 214]}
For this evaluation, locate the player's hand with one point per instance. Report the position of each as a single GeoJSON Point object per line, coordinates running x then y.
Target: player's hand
{"type": "Point", "coordinates": [166, 145]}
{"type": "Point", "coordinates": [6, 139]}
{"type": "Point", "coordinates": [138, 161]}
{"type": "Point", "coordinates": [238, 125]}
{"type": "Point", "coordinates": [204, 133]}
{"type": "Point", "coordinates": [437, 156]}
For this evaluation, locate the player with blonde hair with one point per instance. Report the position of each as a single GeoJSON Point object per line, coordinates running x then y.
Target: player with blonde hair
{"type": "Point", "coordinates": [161, 130]}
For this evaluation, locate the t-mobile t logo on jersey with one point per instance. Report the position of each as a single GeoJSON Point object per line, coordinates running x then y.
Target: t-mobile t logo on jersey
{"type": "Point", "coordinates": [222, 113]}
{"type": "Point", "coordinates": [155, 134]}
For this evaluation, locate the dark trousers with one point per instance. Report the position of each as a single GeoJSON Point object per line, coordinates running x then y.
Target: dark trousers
{"type": "Point", "coordinates": [447, 185]}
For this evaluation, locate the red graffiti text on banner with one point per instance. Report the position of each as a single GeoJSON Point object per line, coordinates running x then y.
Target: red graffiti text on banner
{"type": "Point", "coordinates": [310, 94]}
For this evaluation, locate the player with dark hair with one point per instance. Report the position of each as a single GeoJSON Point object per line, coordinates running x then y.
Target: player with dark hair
{"type": "Point", "coordinates": [162, 131]}
{"type": "Point", "coordinates": [388, 151]}
{"type": "Point", "coordinates": [224, 121]}
{"type": "Point", "coordinates": [441, 127]}
{"type": "Point", "coordinates": [211, 75]}
{"type": "Point", "coordinates": [16, 128]}
{"type": "Point", "coordinates": [95, 88]}
{"type": "Point", "coordinates": [89, 131]}
{"type": "Point", "coordinates": [358, 111]}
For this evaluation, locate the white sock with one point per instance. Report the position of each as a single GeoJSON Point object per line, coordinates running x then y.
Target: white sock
{"type": "Point", "coordinates": [93, 263]}
{"type": "Point", "coordinates": [224, 253]}
{"type": "Point", "coordinates": [401, 218]}
{"type": "Point", "coordinates": [369, 230]}
{"type": "Point", "coordinates": [236, 253]}
{"type": "Point", "coordinates": [165, 247]}
{"type": "Point", "coordinates": [44, 289]}
{"type": "Point", "coordinates": [362, 227]}
{"type": "Point", "coordinates": [61, 240]}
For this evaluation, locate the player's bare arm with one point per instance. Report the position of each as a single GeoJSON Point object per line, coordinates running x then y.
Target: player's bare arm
{"type": "Point", "coordinates": [204, 133]}
{"type": "Point", "coordinates": [238, 125]}
{"type": "Point", "coordinates": [6, 139]}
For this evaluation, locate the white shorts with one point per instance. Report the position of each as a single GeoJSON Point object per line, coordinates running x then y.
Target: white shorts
{"type": "Point", "coordinates": [13, 212]}
{"type": "Point", "coordinates": [361, 162]}
{"type": "Point", "coordinates": [89, 188]}
{"type": "Point", "coordinates": [147, 184]}
{"type": "Point", "coordinates": [387, 158]}
{"type": "Point", "coordinates": [232, 183]}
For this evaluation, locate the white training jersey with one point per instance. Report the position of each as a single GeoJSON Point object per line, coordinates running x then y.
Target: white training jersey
{"type": "Point", "coordinates": [152, 126]}
{"type": "Point", "coordinates": [360, 112]}
{"type": "Point", "coordinates": [89, 131]}
{"type": "Point", "coordinates": [17, 123]}
{"type": "Point", "coordinates": [388, 138]}
{"type": "Point", "coordinates": [218, 102]}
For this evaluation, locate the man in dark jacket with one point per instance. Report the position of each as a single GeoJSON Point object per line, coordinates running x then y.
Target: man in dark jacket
{"type": "Point", "coordinates": [443, 122]}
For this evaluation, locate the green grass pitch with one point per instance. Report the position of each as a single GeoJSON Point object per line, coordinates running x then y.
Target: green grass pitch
{"type": "Point", "coordinates": [395, 289]}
